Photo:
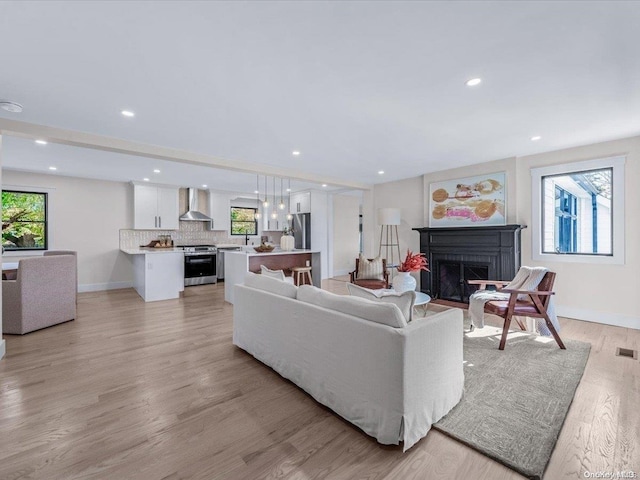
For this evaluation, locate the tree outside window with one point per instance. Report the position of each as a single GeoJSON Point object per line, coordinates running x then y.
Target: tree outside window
{"type": "Point", "coordinates": [24, 220]}
{"type": "Point", "coordinates": [243, 221]}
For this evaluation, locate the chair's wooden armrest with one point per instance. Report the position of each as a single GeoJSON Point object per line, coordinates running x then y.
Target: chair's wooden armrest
{"type": "Point", "coordinates": [526, 292]}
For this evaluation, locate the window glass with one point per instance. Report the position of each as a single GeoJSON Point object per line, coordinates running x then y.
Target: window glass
{"type": "Point", "coordinates": [243, 221]}
{"type": "Point", "coordinates": [24, 220]}
{"type": "Point", "coordinates": [577, 213]}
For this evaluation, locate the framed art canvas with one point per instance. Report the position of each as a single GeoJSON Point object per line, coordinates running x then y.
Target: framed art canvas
{"type": "Point", "coordinates": [468, 202]}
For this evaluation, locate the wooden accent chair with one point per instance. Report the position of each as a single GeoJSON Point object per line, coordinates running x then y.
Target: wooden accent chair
{"type": "Point", "coordinates": [371, 283]}
{"type": "Point", "coordinates": [536, 308]}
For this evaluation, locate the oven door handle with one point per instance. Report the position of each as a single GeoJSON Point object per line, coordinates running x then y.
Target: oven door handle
{"type": "Point", "coordinates": [198, 260]}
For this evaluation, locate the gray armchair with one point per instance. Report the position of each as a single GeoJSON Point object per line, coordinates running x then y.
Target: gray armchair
{"type": "Point", "coordinates": [43, 294]}
{"type": "Point", "coordinates": [75, 256]}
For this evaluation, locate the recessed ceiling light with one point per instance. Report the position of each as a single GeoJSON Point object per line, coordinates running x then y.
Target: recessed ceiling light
{"type": "Point", "coordinates": [204, 185]}
{"type": "Point", "coordinates": [156, 171]}
{"type": "Point", "coordinates": [128, 113]}
{"type": "Point", "coordinates": [53, 168]}
{"type": "Point", "coordinates": [145, 179]}
{"type": "Point", "coordinates": [324, 185]}
{"type": "Point", "coordinates": [536, 138]}
{"type": "Point", "coordinates": [380, 172]}
{"type": "Point", "coordinates": [256, 191]}
{"type": "Point", "coordinates": [473, 82]}
{"type": "Point", "coordinates": [288, 190]}
{"type": "Point", "coordinates": [12, 107]}
{"type": "Point", "coordinates": [41, 142]}
{"type": "Point", "coordinates": [295, 152]}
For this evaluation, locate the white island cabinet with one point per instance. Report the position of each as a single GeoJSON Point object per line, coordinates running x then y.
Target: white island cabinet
{"type": "Point", "coordinates": [158, 274]}
{"type": "Point", "coordinates": [237, 264]}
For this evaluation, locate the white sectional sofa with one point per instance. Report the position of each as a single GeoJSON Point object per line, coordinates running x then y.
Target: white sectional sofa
{"type": "Point", "coordinates": [392, 382]}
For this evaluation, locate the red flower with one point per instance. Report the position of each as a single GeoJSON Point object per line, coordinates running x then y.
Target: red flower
{"type": "Point", "coordinates": [414, 262]}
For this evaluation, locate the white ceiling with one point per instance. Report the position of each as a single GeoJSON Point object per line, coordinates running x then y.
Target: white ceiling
{"type": "Point", "coordinates": [355, 86]}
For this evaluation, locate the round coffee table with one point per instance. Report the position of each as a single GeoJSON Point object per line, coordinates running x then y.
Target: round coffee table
{"type": "Point", "coordinates": [422, 299]}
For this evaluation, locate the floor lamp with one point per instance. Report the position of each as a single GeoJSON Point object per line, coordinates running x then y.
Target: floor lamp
{"type": "Point", "coordinates": [389, 219]}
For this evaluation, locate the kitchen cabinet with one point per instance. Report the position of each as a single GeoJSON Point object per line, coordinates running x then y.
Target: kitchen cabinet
{"type": "Point", "coordinates": [301, 202]}
{"type": "Point", "coordinates": [220, 211]}
{"type": "Point", "coordinates": [155, 207]}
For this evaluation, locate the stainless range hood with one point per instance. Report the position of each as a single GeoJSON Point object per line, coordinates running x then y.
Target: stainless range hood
{"type": "Point", "coordinates": [193, 214]}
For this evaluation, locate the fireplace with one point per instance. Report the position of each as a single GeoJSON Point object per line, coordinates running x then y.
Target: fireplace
{"type": "Point", "coordinates": [457, 255]}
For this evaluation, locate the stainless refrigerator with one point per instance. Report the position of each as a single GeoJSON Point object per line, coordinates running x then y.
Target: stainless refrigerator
{"type": "Point", "coordinates": [301, 224]}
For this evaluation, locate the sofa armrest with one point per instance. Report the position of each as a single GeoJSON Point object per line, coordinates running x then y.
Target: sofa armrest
{"type": "Point", "coordinates": [433, 368]}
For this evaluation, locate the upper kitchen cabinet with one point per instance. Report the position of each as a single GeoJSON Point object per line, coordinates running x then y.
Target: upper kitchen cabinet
{"type": "Point", "coordinates": [155, 207]}
{"type": "Point", "coordinates": [220, 211]}
{"type": "Point", "coordinates": [301, 202]}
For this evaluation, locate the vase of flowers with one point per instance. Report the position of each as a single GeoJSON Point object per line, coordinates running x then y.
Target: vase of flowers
{"type": "Point", "coordinates": [413, 262]}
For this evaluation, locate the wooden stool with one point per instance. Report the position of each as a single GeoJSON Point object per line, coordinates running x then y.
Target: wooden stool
{"type": "Point", "coordinates": [299, 274]}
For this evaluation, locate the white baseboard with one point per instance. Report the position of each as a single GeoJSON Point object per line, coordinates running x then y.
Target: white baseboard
{"type": "Point", "coordinates": [614, 319]}
{"type": "Point", "coordinates": [97, 287]}
{"type": "Point", "coordinates": [338, 273]}
{"type": "Point", "coordinates": [3, 348]}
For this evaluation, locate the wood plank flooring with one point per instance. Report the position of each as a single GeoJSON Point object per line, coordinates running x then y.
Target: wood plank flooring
{"type": "Point", "coordinates": [157, 391]}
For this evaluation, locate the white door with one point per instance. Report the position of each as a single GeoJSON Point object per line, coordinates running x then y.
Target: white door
{"type": "Point", "coordinates": [168, 206]}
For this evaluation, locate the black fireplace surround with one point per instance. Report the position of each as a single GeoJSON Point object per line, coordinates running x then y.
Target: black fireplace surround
{"type": "Point", "coordinates": [456, 255]}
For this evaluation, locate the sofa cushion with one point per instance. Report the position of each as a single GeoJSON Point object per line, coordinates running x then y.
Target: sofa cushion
{"type": "Point", "coordinates": [384, 313]}
{"type": "Point", "coordinates": [277, 274]}
{"type": "Point", "coordinates": [271, 285]}
{"type": "Point", "coordinates": [370, 269]}
{"type": "Point", "coordinates": [404, 301]}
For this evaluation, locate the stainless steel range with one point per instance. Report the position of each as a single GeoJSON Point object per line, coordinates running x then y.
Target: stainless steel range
{"type": "Point", "coordinates": [199, 264]}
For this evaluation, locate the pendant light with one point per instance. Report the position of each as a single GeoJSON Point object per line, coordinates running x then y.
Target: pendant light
{"type": "Point", "coordinates": [257, 215]}
{"type": "Point", "coordinates": [265, 204]}
{"type": "Point", "coordinates": [274, 214]}
{"type": "Point", "coordinates": [281, 205]}
{"type": "Point", "coordinates": [289, 216]}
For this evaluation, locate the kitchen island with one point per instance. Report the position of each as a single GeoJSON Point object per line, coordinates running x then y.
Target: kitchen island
{"type": "Point", "coordinates": [158, 273]}
{"type": "Point", "coordinates": [237, 264]}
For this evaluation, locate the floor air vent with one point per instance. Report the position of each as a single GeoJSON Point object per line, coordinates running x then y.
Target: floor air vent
{"type": "Point", "coordinates": [627, 352]}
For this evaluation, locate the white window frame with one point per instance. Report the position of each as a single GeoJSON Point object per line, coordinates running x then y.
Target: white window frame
{"type": "Point", "coordinates": [617, 211]}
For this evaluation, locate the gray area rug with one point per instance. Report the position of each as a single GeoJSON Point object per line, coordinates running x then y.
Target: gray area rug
{"type": "Point", "coordinates": [515, 400]}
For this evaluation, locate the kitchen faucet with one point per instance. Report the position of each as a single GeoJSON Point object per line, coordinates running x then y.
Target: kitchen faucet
{"type": "Point", "coordinates": [246, 238]}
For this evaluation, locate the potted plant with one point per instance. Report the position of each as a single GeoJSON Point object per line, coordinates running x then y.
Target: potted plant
{"type": "Point", "coordinates": [413, 262]}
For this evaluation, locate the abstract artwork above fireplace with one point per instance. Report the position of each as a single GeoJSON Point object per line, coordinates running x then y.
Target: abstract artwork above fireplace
{"type": "Point", "coordinates": [468, 202]}
{"type": "Point", "coordinates": [457, 255]}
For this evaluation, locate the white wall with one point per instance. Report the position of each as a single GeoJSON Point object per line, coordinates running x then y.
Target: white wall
{"type": "Point", "coordinates": [2, 342]}
{"type": "Point", "coordinates": [86, 216]}
{"type": "Point", "coordinates": [595, 292]}
{"type": "Point", "coordinates": [407, 195]}
{"type": "Point", "coordinates": [346, 235]}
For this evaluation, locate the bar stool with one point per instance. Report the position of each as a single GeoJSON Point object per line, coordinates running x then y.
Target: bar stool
{"type": "Point", "coordinates": [299, 272]}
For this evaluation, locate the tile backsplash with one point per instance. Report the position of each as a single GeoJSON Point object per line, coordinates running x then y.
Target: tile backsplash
{"type": "Point", "coordinates": [190, 233]}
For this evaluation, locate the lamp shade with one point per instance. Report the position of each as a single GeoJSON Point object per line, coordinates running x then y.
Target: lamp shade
{"type": "Point", "coordinates": [389, 216]}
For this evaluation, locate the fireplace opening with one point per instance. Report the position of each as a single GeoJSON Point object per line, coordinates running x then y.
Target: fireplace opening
{"type": "Point", "coordinates": [452, 277]}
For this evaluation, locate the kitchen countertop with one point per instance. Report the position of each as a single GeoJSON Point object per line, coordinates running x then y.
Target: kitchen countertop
{"type": "Point", "coordinates": [275, 252]}
{"type": "Point", "coordinates": [150, 250]}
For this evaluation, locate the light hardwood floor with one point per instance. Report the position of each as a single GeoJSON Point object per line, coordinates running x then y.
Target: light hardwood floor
{"type": "Point", "coordinates": [157, 391]}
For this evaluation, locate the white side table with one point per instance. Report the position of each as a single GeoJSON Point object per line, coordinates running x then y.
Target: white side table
{"type": "Point", "coordinates": [422, 299]}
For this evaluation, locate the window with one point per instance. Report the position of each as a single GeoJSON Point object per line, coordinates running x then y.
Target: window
{"type": "Point", "coordinates": [579, 211]}
{"type": "Point", "coordinates": [24, 220]}
{"type": "Point", "coordinates": [243, 221]}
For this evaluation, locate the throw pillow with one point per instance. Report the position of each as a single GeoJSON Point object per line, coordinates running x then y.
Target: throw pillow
{"type": "Point", "coordinates": [384, 313]}
{"type": "Point", "coordinates": [370, 269]}
{"type": "Point", "coordinates": [277, 274]}
{"type": "Point", "coordinates": [404, 301]}
{"type": "Point", "coordinates": [271, 285]}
